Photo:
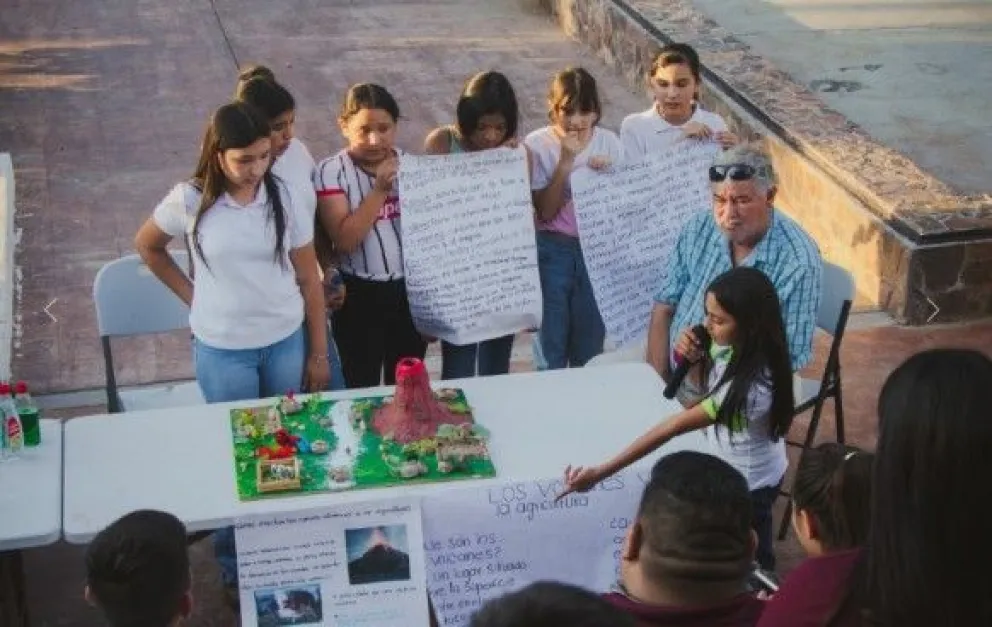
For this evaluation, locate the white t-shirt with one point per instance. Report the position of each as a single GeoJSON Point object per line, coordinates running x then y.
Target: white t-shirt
{"type": "Point", "coordinates": [380, 257]}
{"type": "Point", "coordinates": [747, 446]}
{"type": "Point", "coordinates": [545, 150]}
{"type": "Point", "coordinates": [647, 132]}
{"type": "Point", "coordinates": [242, 296]}
{"type": "Point", "coordinates": [295, 168]}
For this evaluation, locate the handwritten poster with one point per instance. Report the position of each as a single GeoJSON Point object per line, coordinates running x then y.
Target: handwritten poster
{"type": "Point", "coordinates": [469, 251]}
{"type": "Point", "coordinates": [354, 565]}
{"type": "Point", "coordinates": [483, 542]}
{"type": "Point", "coordinates": [629, 218]}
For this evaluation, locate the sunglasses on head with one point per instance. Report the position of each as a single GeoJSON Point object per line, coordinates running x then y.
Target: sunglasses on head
{"type": "Point", "coordinates": [735, 171]}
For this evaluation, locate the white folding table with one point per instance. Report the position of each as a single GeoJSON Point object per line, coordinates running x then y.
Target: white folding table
{"type": "Point", "coordinates": [181, 460]}
{"type": "Point", "coordinates": [30, 513]}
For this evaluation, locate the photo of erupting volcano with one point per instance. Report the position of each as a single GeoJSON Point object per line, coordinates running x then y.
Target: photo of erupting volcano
{"type": "Point", "coordinates": [377, 554]}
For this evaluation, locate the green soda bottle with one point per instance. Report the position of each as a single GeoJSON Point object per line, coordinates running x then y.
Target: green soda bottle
{"type": "Point", "coordinates": [28, 412]}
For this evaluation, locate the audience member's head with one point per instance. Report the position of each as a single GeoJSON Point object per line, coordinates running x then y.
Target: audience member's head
{"type": "Point", "coordinates": [550, 604]}
{"type": "Point", "coordinates": [831, 498]}
{"type": "Point", "coordinates": [743, 182]}
{"type": "Point", "coordinates": [692, 542]}
{"type": "Point", "coordinates": [929, 541]}
{"type": "Point", "coordinates": [137, 571]}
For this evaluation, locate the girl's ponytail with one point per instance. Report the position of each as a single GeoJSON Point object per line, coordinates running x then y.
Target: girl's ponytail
{"type": "Point", "coordinates": [833, 485]}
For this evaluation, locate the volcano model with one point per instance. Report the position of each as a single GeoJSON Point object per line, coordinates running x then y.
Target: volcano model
{"type": "Point", "coordinates": [414, 413]}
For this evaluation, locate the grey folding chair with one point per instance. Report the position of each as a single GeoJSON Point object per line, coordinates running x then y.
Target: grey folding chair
{"type": "Point", "coordinates": [131, 301]}
{"type": "Point", "coordinates": [835, 307]}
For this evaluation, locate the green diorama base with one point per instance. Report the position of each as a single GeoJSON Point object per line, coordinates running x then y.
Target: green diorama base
{"type": "Point", "coordinates": [320, 446]}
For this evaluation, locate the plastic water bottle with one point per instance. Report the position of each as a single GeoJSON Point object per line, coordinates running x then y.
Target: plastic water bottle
{"type": "Point", "coordinates": [29, 414]}
{"type": "Point", "coordinates": [12, 428]}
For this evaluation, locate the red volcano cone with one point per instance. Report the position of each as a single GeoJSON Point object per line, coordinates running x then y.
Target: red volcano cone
{"type": "Point", "coordinates": [414, 413]}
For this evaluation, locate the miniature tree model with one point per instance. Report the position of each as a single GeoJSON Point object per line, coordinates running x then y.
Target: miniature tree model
{"type": "Point", "coordinates": [415, 413]}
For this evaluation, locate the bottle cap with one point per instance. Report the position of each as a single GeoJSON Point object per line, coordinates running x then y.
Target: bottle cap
{"type": "Point", "coordinates": [21, 387]}
{"type": "Point", "coordinates": [4, 389]}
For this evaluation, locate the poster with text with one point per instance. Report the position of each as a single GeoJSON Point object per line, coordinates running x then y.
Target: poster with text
{"type": "Point", "coordinates": [481, 543]}
{"type": "Point", "coordinates": [629, 218]}
{"type": "Point", "coordinates": [469, 249]}
{"type": "Point", "coordinates": [347, 566]}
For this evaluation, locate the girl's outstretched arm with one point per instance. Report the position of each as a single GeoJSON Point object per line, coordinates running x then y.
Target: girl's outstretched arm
{"type": "Point", "coordinates": [581, 479]}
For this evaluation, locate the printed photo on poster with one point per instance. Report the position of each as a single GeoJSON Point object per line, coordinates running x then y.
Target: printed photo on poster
{"type": "Point", "coordinates": [377, 554]}
{"type": "Point", "coordinates": [296, 605]}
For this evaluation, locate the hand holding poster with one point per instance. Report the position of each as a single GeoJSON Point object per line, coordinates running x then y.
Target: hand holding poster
{"type": "Point", "coordinates": [629, 219]}
{"type": "Point", "coordinates": [359, 564]}
{"type": "Point", "coordinates": [469, 249]}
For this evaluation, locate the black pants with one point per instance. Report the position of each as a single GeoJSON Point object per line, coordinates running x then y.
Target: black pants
{"type": "Point", "coordinates": [374, 330]}
{"type": "Point", "coordinates": [762, 500]}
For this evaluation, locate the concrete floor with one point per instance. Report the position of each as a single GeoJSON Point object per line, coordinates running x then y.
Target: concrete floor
{"type": "Point", "coordinates": [915, 74]}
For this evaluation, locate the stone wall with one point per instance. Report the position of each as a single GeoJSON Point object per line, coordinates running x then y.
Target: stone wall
{"type": "Point", "coordinates": [916, 250]}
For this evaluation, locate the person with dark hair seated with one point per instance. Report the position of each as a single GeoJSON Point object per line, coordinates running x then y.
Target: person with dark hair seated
{"type": "Point", "coordinates": [687, 557]}
{"type": "Point", "coordinates": [550, 604]}
{"type": "Point", "coordinates": [927, 551]}
{"type": "Point", "coordinates": [831, 502]}
{"type": "Point", "coordinates": [137, 571]}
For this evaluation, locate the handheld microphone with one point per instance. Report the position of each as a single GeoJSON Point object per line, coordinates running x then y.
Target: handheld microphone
{"type": "Point", "coordinates": [703, 336]}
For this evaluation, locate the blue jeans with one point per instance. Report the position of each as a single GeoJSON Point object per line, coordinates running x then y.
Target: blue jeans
{"type": "Point", "coordinates": [334, 358]}
{"type": "Point", "coordinates": [572, 330]}
{"type": "Point", "coordinates": [762, 500]}
{"type": "Point", "coordinates": [492, 357]}
{"type": "Point", "coordinates": [246, 374]}
{"type": "Point", "coordinates": [250, 373]}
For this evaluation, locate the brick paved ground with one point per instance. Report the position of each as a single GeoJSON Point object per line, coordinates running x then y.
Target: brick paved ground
{"type": "Point", "coordinates": [103, 104]}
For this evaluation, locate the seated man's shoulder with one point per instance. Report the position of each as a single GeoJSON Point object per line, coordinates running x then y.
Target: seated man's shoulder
{"type": "Point", "coordinates": [701, 225]}
{"type": "Point", "coordinates": [797, 244]}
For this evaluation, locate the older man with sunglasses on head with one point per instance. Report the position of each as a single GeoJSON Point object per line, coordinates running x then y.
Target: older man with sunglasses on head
{"type": "Point", "coordinates": [744, 229]}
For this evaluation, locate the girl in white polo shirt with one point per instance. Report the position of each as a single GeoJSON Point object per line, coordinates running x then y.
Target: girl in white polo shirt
{"type": "Point", "coordinates": [359, 209]}
{"type": "Point", "coordinates": [675, 114]}
{"type": "Point", "coordinates": [253, 261]}
{"type": "Point", "coordinates": [749, 403]}
{"type": "Point", "coordinates": [293, 166]}
{"type": "Point", "coordinates": [572, 330]}
{"type": "Point", "coordinates": [256, 275]}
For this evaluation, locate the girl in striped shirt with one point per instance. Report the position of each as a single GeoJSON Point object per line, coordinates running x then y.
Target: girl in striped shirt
{"type": "Point", "coordinates": [358, 207]}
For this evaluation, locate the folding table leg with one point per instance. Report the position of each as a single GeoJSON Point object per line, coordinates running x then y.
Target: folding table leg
{"type": "Point", "coordinates": [13, 597]}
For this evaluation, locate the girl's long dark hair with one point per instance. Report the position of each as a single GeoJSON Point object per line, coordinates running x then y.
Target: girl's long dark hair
{"type": "Point", "coordinates": [266, 95]}
{"type": "Point", "coordinates": [487, 93]}
{"type": "Point", "coordinates": [761, 354]}
{"type": "Point", "coordinates": [234, 125]}
{"type": "Point", "coordinates": [833, 485]}
{"type": "Point", "coordinates": [929, 544]}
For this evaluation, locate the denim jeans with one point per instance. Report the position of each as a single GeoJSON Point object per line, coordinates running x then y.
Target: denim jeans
{"type": "Point", "coordinates": [491, 356]}
{"type": "Point", "coordinates": [246, 374]}
{"type": "Point", "coordinates": [334, 359]}
{"type": "Point", "coordinates": [762, 500]}
{"type": "Point", "coordinates": [250, 373]}
{"type": "Point", "coordinates": [572, 330]}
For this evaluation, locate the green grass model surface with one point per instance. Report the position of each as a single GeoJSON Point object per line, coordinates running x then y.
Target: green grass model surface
{"type": "Point", "coordinates": [337, 448]}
